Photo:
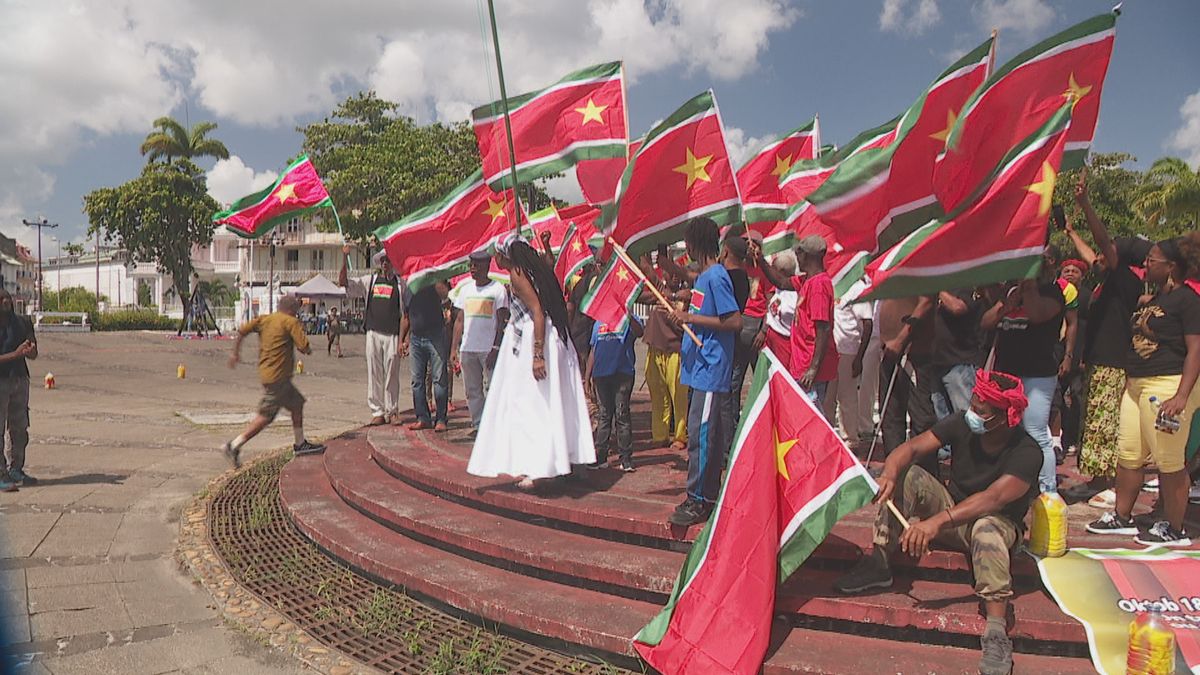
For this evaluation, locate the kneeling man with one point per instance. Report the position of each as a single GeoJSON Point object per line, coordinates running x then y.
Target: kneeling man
{"type": "Point", "coordinates": [994, 468]}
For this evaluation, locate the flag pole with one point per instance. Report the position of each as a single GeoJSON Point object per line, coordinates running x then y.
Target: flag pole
{"type": "Point", "coordinates": [992, 54]}
{"type": "Point", "coordinates": [512, 155]}
{"type": "Point", "coordinates": [338, 220]}
{"type": "Point", "coordinates": [896, 512]}
{"type": "Point", "coordinates": [620, 251]}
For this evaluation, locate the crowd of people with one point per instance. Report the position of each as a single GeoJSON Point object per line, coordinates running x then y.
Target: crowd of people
{"type": "Point", "coordinates": [980, 393]}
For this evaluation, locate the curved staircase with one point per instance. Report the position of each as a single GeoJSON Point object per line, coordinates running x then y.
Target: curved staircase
{"type": "Point", "coordinates": [582, 564]}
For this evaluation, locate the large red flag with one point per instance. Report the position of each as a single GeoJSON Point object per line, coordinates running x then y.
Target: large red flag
{"type": "Point", "coordinates": [682, 171]}
{"type": "Point", "coordinates": [582, 116]}
{"type": "Point", "coordinates": [1020, 97]}
{"type": "Point", "coordinates": [611, 300]}
{"type": "Point", "coordinates": [598, 178]}
{"type": "Point", "coordinates": [997, 236]}
{"type": "Point", "coordinates": [759, 179]}
{"type": "Point", "coordinates": [790, 480]}
{"type": "Point", "coordinates": [434, 242]}
{"type": "Point", "coordinates": [297, 191]}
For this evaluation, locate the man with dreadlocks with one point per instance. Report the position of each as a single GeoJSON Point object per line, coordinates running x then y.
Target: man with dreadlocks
{"type": "Point", "coordinates": [535, 420]}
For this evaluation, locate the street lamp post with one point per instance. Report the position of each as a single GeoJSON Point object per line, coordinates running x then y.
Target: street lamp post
{"type": "Point", "coordinates": [39, 224]}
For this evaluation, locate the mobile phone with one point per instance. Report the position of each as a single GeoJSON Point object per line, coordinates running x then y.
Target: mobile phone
{"type": "Point", "coordinates": [1058, 216]}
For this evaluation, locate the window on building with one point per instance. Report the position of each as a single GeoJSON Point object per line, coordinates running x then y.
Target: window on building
{"type": "Point", "coordinates": [291, 259]}
{"type": "Point", "coordinates": [292, 226]}
{"type": "Point", "coordinates": [318, 260]}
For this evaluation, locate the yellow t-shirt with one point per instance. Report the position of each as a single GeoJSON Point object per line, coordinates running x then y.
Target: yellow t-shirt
{"type": "Point", "coordinates": [278, 335]}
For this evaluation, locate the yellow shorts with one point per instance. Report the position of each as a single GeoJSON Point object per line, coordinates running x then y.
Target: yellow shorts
{"type": "Point", "coordinates": [1138, 442]}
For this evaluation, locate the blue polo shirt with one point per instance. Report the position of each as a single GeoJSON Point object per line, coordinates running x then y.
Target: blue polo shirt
{"type": "Point", "coordinates": [710, 367]}
{"type": "Point", "coordinates": [612, 351]}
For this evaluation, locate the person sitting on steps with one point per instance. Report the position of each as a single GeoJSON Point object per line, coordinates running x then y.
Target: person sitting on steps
{"type": "Point", "coordinates": [994, 465]}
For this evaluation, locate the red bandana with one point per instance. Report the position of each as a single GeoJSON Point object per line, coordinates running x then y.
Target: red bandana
{"type": "Point", "coordinates": [1073, 262]}
{"type": "Point", "coordinates": [990, 393]}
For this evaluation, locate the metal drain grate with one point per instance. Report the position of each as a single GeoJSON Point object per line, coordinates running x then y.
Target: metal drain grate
{"type": "Point", "coordinates": [376, 625]}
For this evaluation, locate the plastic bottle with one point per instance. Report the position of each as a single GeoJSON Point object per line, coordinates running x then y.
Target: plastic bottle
{"type": "Point", "coordinates": [1163, 423]}
{"type": "Point", "coordinates": [1048, 535]}
{"type": "Point", "coordinates": [181, 371]}
{"type": "Point", "coordinates": [1151, 644]}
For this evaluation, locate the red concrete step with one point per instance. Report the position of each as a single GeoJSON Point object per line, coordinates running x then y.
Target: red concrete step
{"type": "Point", "coordinates": [614, 567]}
{"type": "Point", "coordinates": [580, 619]}
{"type": "Point", "coordinates": [579, 559]}
{"type": "Point", "coordinates": [607, 503]}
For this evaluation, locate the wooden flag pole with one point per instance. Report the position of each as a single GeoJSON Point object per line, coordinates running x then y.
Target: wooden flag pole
{"type": "Point", "coordinates": [620, 251]}
{"type": "Point", "coordinates": [992, 54]}
{"type": "Point", "coordinates": [512, 155]}
{"type": "Point", "coordinates": [896, 512]}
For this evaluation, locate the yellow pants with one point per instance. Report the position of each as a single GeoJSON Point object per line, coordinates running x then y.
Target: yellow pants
{"type": "Point", "coordinates": [1137, 440]}
{"type": "Point", "coordinates": [667, 395]}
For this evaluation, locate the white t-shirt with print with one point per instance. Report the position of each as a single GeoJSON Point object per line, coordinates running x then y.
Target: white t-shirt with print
{"type": "Point", "coordinates": [781, 312]}
{"type": "Point", "coordinates": [479, 307]}
{"type": "Point", "coordinates": [847, 325]}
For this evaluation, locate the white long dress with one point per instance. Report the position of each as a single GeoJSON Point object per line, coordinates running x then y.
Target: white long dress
{"type": "Point", "coordinates": [533, 428]}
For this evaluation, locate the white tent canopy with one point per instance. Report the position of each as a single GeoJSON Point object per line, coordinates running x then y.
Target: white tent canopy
{"type": "Point", "coordinates": [319, 287]}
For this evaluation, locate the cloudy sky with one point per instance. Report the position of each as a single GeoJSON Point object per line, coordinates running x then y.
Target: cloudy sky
{"type": "Point", "coordinates": [82, 81]}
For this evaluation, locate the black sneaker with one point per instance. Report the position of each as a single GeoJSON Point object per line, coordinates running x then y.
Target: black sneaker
{"type": "Point", "coordinates": [872, 571]}
{"type": "Point", "coordinates": [690, 513]}
{"type": "Point", "coordinates": [597, 465]}
{"type": "Point", "coordinates": [1111, 523]}
{"type": "Point", "coordinates": [627, 466]}
{"type": "Point", "coordinates": [307, 448]}
{"type": "Point", "coordinates": [1162, 534]}
{"type": "Point", "coordinates": [234, 456]}
{"type": "Point", "coordinates": [997, 652]}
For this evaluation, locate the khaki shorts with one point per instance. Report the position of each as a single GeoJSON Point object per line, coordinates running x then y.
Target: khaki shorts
{"type": "Point", "coordinates": [282, 394]}
{"type": "Point", "coordinates": [1138, 442]}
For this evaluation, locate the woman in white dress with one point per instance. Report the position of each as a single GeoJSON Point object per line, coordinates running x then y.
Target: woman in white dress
{"type": "Point", "coordinates": [535, 421]}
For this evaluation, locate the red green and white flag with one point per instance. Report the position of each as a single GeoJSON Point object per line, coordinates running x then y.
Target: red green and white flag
{"type": "Point", "coordinates": [997, 235]}
{"type": "Point", "coordinates": [598, 178]}
{"type": "Point", "coordinates": [682, 171]}
{"type": "Point", "coordinates": [582, 116]}
{"type": "Point", "coordinates": [880, 195]}
{"type": "Point", "coordinates": [574, 256]}
{"type": "Point", "coordinates": [546, 220]}
{"type": "Point", "coordinates": [790, 479]}
{"type": "Point", "coordinates": [758, 180]}
{"type": "Point", "coordinates": [584, 218]}
{"type": "Point", "coordinates": [1020, 97]}
{"type": "Point", "coordinates": [297, 191]}
{"type": "Point", "coordinates": [611, 299]}
{"type": "Point", "coordinates": [434, 242]}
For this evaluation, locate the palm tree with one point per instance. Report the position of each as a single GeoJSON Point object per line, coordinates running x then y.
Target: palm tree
{"type": "Point", "coordinates": [170, 140]}
{"type": "Point", "coordinates": [1170, 195]}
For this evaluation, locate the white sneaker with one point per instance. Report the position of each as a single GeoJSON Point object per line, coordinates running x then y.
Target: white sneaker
{"type": "Point", "coordinates": [1150, 485]}
{"type": "Point", "coordinates": [1194, 494]}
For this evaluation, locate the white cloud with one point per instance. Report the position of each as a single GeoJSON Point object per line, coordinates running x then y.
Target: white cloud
{"type": "Point", "coordinates": [230, 180]}
{"type": "Point", "coordinates": [1026, 17]}
{"type": "Point", "coordinates": [1186, 138]}
{"type": "Point", "coordinates": [894, 19]}
{"type": "Point", "coordinates": [564, 187]}
{"type": "Point", "coordinates": [741, 148]}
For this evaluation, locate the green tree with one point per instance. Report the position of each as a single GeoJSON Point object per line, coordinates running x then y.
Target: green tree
{"type": "Point", "coordinates": [1169, 196]}
{"type": "Point", "coordinates": [71, 299]}
{"type": "Point", "coordinates": [73, 249]}
{"type": "Point", "coordinates": [170, 140]}
{"type": "Point", "coordinates": [380, 166]}
{"type": "Point", "coordinates": [158, 217]}
{"type": "Point", "coordinates": [219, 294]}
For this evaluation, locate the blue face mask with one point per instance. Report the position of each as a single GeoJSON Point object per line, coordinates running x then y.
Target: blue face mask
{"type": "Point", "coordinates": [977, 424]}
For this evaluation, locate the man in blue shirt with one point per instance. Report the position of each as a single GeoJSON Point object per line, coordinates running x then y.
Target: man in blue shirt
{"type": "Point", "coordinates": [715, 318]}
{"type": "Point", "coordinates": [609, 378]}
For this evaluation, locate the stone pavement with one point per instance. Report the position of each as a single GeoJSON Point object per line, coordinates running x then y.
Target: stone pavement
{"type": "Point", "coordinates": [87, 579]}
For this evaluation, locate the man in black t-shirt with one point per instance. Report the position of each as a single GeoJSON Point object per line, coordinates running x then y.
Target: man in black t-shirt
{"type": "Point", "coordinates": [994, 468]}
{"type": "Point", "coordinates": [382, 290]}
{"type": "Point", "coordinates": [423, 331]}
{"type": "Point", "coordinates": [17, 344]}
{"type": "Point", "coordinates": [958, 344]}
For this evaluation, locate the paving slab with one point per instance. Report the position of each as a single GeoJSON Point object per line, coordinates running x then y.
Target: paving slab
{"type": "Point", "coordinates": [80, 534]}
{"type": "Point", "coordinates": [50, 576]}
{"type": "Point", "coordinates": [24, 531]}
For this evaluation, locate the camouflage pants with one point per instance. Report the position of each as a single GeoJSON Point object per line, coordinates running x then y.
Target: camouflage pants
{"type": "Point", "coordinates": [989, 540]}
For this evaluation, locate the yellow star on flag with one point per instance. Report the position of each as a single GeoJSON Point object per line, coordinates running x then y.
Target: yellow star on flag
{"type": "Point", "coordinates": [782, 448]}
{"type": "Point", "coordinates": [495, 209]}
{"type": "Point", "coordinates": [1044, 188]}
{"type": "Point", "coordinates": [591, 112]}
{"type": "Point", "coordinates": [694, 169]}
{"type": "Point", "coordinates": [285, 192]}
{"type": "Point", "coordinates": [1074, 92]}
{"type": "Point", "coordinates": [576, 246]}
{"type": "Point", "coordinates": [951, 118]}
{"type": "Point", "coordinates": [622, 274]}
{"type": "Point", "coordinates": [782, 164]}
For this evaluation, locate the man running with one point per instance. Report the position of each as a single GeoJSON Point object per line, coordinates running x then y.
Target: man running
{"type": "Point", "coordinates": [279, 334]}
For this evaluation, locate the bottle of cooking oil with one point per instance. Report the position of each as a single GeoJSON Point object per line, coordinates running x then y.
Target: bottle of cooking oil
{"type": "Point", "coordinates": [1048, 535]}
{"type": "Point", "coordinates": [1151, 644]}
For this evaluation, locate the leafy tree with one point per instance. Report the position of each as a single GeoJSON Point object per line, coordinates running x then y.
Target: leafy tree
{"type": "Point", "coordinates": [219, 294]}
{"type": "Point", "coordinates": [71, 299]}
{"type": "Point", "coordinates": [158, 217]}
{"type": "Point", "coordinates": [1170, 196]}
{"type": "Point", "coordinates": [73, 249]}
{"type": "Point", "coordinates": [143, 294]}
{"type": "Point", "coordinates": [380, 166]}
{"type": "Point", "coordinates": [170, 140]}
